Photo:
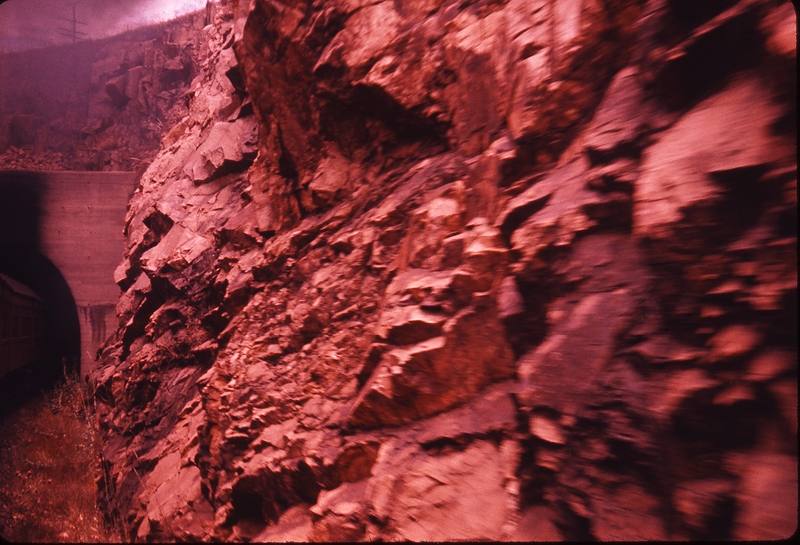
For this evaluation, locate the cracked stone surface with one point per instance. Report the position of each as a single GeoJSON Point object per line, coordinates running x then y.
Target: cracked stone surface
{"type": "Point", "coordinates": [406, 262]}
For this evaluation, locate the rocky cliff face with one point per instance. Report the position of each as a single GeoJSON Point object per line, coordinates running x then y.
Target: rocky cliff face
{"type": "Point", "coordinates": [465, 270]}
{"type": "Point", "coordinates": [99, 105]}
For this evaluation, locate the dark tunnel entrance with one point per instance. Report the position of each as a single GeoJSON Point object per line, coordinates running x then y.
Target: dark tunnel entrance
{"type": "Point", "coordinates": [61, 315]}
{"type": "Point", "coordinates": [22, 260]}
{"type": "Point", "coordinates": [61, 325]}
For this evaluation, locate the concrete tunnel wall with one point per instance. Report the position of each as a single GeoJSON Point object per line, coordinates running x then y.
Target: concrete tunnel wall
{"type": "Point", "coordinates": [80, 220]}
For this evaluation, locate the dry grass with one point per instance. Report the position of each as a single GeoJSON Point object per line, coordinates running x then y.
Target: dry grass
{"type": "Point", "coordinates": [47, 470]}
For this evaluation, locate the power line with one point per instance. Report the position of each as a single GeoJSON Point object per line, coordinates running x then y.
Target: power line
{"type": "Point", "coordinates": [72, 32]}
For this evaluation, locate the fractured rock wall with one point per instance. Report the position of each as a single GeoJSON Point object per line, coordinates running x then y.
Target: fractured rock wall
{"type": "Point", "coordinates": [406, 263]}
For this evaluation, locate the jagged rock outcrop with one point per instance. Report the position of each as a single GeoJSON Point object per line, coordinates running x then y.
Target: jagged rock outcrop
{"type": "Point", "coordinates": [406, 263]}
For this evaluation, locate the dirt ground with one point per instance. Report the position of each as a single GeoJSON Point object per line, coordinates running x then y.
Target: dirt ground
{"type": "Point", "coordinates": [47, 451]}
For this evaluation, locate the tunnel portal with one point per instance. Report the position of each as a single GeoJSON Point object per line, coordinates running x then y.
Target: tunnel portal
{"type": "Point", "coordinates": [61, 234]}
{"type": "Point", "coordinates": [60, 326]}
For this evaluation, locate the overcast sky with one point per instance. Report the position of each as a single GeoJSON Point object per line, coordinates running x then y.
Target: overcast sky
{"type": "Point", "coordinates": [36, 23]}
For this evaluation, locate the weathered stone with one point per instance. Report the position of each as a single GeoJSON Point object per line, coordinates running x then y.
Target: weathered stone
{"type": "Point", "coordinates": [411, 325]}
{"type": "Point", "coordinates": [379, 401]}
{"type": "Point", "coordinates": [631, 515]}
{"type": "Point", "coordinates": [735, 394]}
{"type": "Point", "coordinates": [780, 25]}
{"type": "Point", "coordinates": [355, 462]}
{"type": "Point", "coordinates": [679, 386]}
{"type": "Point", "coordinates": [435, 374]}
{"type": "Point", "coordinates": [179, 487]}
{"type": "Point", "coordinates": [335, 528]}
{"type": "Point", "coordinates": [116, 88]}
{"type": "Point", "coordinates": [733, 341]}
{"type": "Point", "coordinates": [770, 364]}
{"type": "Point", "coordinates": [563, 366]}
{"type": "Point", "coordinates": [658, 349]}
{"type": "Point", "coordinates": [122, 274]}
{"type": "Point", "coordinates": [556, 212]}
{"type": "Point", "coordinates": [228, 147]}
{"type": "Point", "coordinates": [485, 255]}
{"type": "Point", "coordinates": [725, 132]}
{"type": "Point", "coordinates": [435, 183]}
{"type": "Point", "coordinates": [360, 42]}
{"type": "Point", "coordinates": [509, 300]}
{"type": "Point", "coordinates": [546, 429]}
{"type": "Point", "coordinates": [294, 525]}
{"type": "Point", "coordinates": [491, 411]}
{"type": "Point", "coordinates": [418, 284]}
{"type": "Point", "coordinates": [410, 80]}
{"type": "Point", "coordinates": [456, 485]}
{"type": "Point", "coordinates": [130, 301]}
{"type": "Point", "coordinates": [331, 180]}
{"type": "Point", "coordinates": [433, 223]}
{"type": "Point", "coordinates": [619, 119]}
{"type": "Point", "coordinates": [767, 498]}
{"type": "Point", "coordinates": [178, 249]}
{"type": "Point", "coordinates": [275, 435]}
{"type": "Point", "coordinates": [345, 500]}
{"type": "Point", "coordinates": [307, 320]}
{"type": "Point", "coordinates": [536, 524]}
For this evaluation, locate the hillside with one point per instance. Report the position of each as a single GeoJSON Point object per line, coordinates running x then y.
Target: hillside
{"type": "Point", "coordinates": [97, 105]}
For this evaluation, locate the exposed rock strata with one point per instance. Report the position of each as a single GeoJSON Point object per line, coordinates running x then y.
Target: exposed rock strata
{"type": "Point", "coordinates": [403, 263]}
{"type": "Point", "coordinates": [97, 105]}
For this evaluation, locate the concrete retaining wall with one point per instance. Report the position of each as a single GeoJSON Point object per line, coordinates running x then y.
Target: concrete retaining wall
{"type": "Point", "coordinates": [80, 218]}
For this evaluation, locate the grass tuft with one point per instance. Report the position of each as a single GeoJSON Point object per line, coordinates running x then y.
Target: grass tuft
{"type": "Point", "coordinates": [48, 458]}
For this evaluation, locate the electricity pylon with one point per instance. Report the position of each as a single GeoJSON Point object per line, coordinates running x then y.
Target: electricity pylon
{"type": "Point", "coordinates": [72, 32]}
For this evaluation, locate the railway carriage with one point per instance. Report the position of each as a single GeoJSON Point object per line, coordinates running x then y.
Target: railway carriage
{"type": "Point", "coordinates": [21, 325]}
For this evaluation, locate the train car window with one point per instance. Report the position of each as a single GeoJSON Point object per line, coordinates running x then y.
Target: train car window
{"type": "Point", "coordinates": [27, 326]}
